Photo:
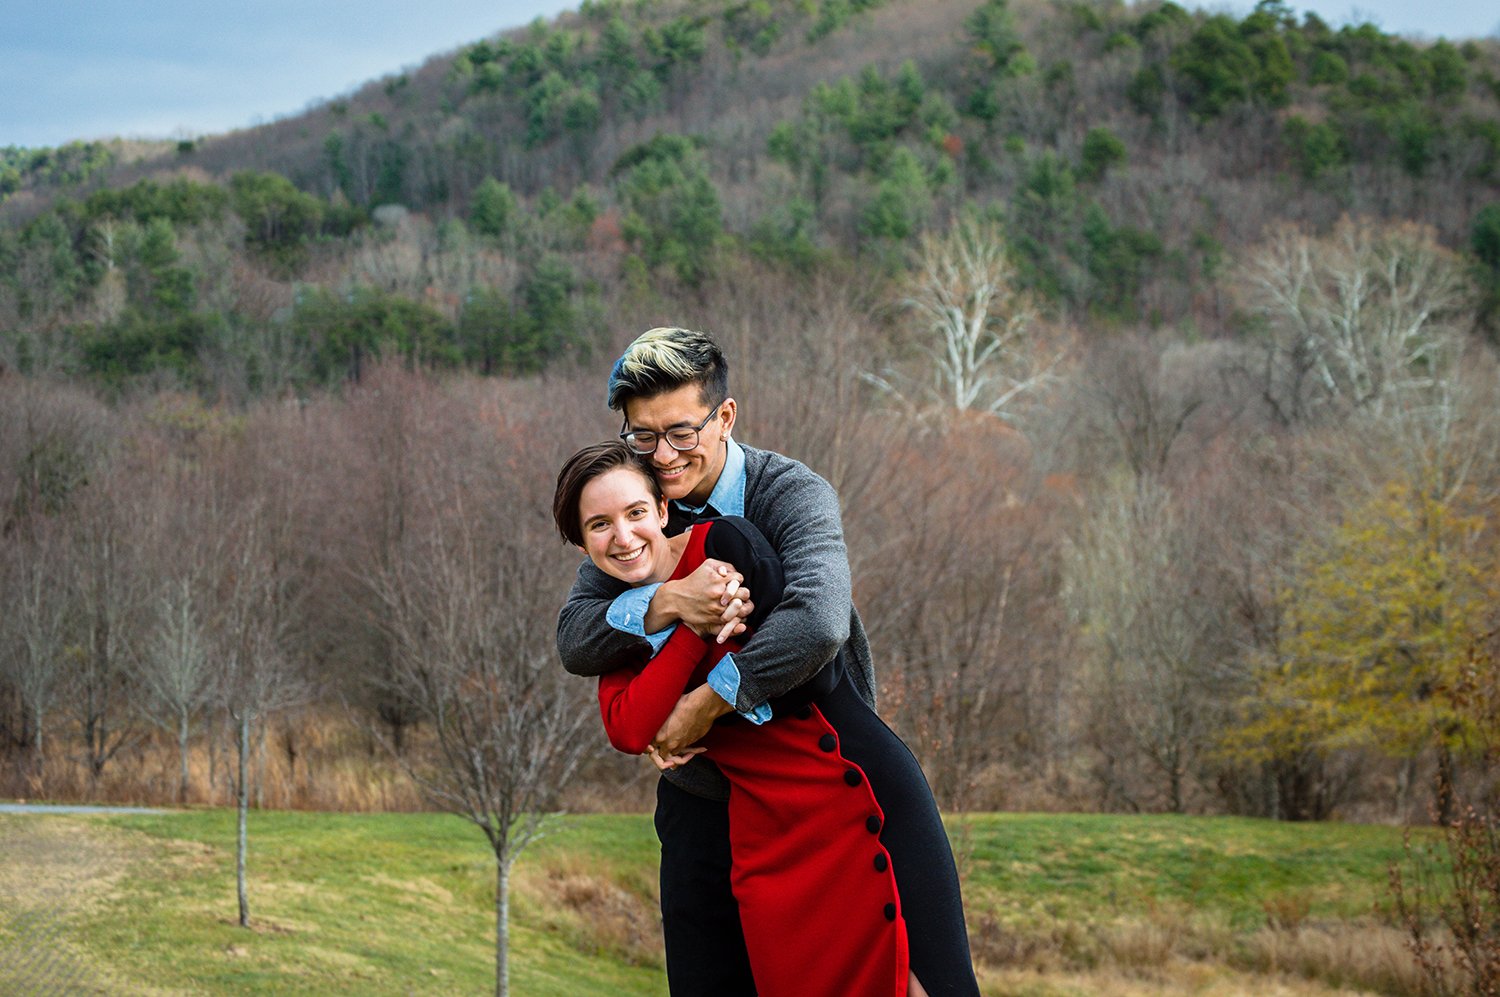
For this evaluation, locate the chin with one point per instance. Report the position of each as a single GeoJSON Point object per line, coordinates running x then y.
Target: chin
{"type": "Point", "coordinates": [678, 487]}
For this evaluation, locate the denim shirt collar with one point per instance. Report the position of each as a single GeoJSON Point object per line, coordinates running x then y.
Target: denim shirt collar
{"type": "Point", "coordinates": [728, 496]}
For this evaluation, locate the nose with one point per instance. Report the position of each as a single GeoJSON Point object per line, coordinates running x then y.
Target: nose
{"type": "Point", "coordinates": [662, 444]}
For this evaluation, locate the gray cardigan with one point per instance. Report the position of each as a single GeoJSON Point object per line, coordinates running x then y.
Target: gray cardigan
{"type": "Point", "coordinates": [799, 514]}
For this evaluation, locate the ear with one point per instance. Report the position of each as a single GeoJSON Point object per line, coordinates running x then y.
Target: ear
{"type": "Point", "coordinates": [661, 511]}
{"type": "Point", "coordinates": [728, 411]}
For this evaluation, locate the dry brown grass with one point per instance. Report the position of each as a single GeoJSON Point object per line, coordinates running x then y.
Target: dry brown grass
{"type": "Point", "coordinates": [592, 910]}
{"type": "Point", "coordinates": [1176, 979]}
{"type": "Point", "coordinates": [1171, 952]}
{"type": "Point", "coordinates": [1370, 956]}
{"type": "Point", "coordinates": [303, 763]}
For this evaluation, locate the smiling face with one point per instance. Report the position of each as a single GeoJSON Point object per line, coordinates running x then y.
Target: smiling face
{"type": "Point", "coordinates": [688, 475]}
{"type": "Point", "coordinates": [623, 527]}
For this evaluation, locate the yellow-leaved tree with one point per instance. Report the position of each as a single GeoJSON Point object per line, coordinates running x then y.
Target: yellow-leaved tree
{"type": "Point", "coordinates": [1382, 615]}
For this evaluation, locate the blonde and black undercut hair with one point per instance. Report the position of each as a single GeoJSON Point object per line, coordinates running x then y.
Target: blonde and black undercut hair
{"type": "Point", "coordinates": [665, 359]}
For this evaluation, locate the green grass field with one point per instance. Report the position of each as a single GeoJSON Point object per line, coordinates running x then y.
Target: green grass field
{"type": "Point", "coordinates": [403, 904]}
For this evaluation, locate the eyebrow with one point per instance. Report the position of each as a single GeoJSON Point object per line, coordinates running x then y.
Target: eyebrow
{"type": "Point", "coordinates": [605, 515]}
{"type": "Point", "coordinates": [684, 424]}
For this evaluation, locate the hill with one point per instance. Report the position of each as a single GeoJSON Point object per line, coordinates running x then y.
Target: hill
{"type": "Point", "coordinates": [1131, 151]}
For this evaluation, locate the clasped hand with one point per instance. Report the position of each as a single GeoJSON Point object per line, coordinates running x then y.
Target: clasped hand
{"type": "Point", "coordinates": [690, 720]}
{"type": "Point", "coordinates": [713, 600]}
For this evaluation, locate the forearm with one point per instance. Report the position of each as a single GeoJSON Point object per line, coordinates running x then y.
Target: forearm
{"type": "Point", "coordinates": [587, 644]}
{"type": "Point", "coordinates": [664, 610]}
{"type": "Point", "coordinates": [634, 705]}
{"type": "Point", "coordinates": [792, 653]}
{"type": "Point", "coordinates": [691, 719]}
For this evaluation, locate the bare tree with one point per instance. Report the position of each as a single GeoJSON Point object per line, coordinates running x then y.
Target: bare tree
{"type": "Point", "coordinates": [108, 585]}
{"type": "Point", "coordinates": [1142, 401]}
{"type": "Point", "coordinates": [174, 671]}
{"type": "Point", "coordinates": [1364, 320]}
{"type": "Point", "coordinates": [953, 567]}
{"type": "Point", "coordinates": [247, 625]}
{"type": "Point", "coordinates": [1153, 637]}
{"type": "Point", "coordinates": [978, 331]}
{"type": "Point", "coordinates": [52, 441]}
{"type": "Point", "coordinates": [802, 391]}
{"type": "Point", "coordinates": [470, 613]}
{"type": "Point", "coordinates": [34, 630]}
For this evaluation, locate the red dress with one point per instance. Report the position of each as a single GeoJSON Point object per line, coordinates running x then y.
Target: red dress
{"type": "Point", "coordinates": [816, 888]}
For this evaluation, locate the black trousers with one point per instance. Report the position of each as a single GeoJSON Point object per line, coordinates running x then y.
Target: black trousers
{"type": "Point", "coordinates": [700, 920]}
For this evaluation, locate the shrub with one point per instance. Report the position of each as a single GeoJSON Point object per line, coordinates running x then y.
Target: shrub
{"type": "Point", "coordinates": [1316, 148]}
{"type": "Point", "coordinates": [1328, 68]}
{"type": "Point", "coordinates": [1457, 884]}
{"type": "Point", "coordinates": [494, 208]}
{"type": "Point", "coordinates": [1101, 150]}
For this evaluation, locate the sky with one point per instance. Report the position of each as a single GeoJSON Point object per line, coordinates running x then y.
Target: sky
{"type": "Point", "coordinates": [87, 69]}
{"type": "Point", "coordinates": [74, 69]}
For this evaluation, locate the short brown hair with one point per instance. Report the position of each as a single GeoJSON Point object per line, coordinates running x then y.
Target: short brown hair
{"type": "Point", "coordinates": [583, 467]}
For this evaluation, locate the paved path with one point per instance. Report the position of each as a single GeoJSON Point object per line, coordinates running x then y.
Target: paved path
{"type": "Point", "coordinates": [72, 808]}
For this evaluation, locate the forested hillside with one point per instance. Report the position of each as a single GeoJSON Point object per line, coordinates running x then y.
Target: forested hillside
{"type": "Point", "coordinates": [1151, 350]}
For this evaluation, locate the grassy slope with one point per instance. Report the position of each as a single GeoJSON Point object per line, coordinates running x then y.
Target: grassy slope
{"type": "Point", "coordinates": [1030, 868]}
{"type": "Point", "coordinates": [398, 904]}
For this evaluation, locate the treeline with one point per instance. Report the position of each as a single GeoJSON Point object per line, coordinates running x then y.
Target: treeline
{"type": "Point", "coordinates": [194, 284]}
{"type": "Point", "coordinates": [1141, 573]}
{"type": "Point", "coordinates": [66, 166]}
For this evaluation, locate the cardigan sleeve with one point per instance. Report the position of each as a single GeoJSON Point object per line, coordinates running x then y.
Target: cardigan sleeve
{"type": "Point", "coordinates": [798, 512]}
{"type": "Point", "coordinates": [586, 642]}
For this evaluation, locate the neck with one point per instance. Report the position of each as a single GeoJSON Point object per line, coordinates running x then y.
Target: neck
{"type": "Point", "coordinates": [693, 498]}
{"type": "Point", "coordinates": [676, 547]}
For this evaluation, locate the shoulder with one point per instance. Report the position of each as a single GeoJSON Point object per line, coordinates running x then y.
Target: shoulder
{"type": "Point", "coordinates": [591, 583]}
{"type": "Point", "coordinates": [770, 462]}
{"type": "Point", "coordinates": [770, 477]}
{"type": "Point", "coordinates": [728, 536]}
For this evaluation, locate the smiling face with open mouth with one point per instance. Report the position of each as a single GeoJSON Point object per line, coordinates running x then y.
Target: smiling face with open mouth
{"type": "Point", "coordinates": [622, 527]}
{"type": "Point", "coordinates": [684, 475]}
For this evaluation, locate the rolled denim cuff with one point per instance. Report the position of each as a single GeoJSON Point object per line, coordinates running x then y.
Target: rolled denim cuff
{"type": "Point", "coordinates": [628, 613]}
{"type": "Point", "coordinates": [725, 680]}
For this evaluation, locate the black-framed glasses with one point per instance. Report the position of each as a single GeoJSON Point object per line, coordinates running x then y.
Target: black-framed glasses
{"type": "Point", "coordinates": [679, 438]}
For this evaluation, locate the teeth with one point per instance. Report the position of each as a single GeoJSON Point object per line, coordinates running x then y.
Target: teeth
{"type": "Point", "coordinates": [631, 556]}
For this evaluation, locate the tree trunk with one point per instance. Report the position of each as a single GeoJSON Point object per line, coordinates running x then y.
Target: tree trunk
{"type": "Point", "coordinates": [244, 810]}
{"type": "Point", "coordinates": [502, 927]}
{"type": "Point", "coordinates": [1443, 791]}
{"type": "Point", "coordinates": [1405, 776]}
{"type": "Point", "coordinates": [182, 757]}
